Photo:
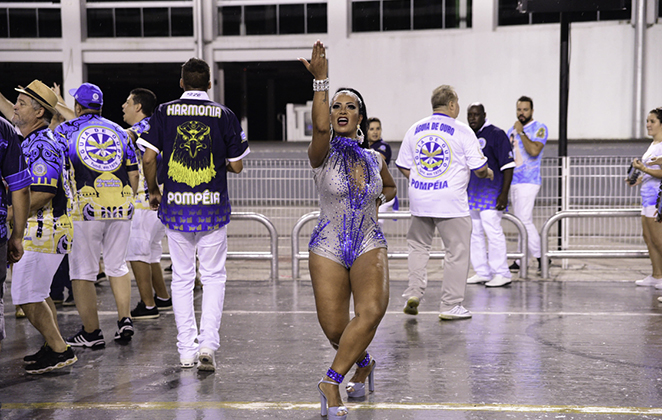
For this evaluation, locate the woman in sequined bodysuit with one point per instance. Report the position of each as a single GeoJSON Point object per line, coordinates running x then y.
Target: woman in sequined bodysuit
{"type": "Point", "coordinates": [347, 248]}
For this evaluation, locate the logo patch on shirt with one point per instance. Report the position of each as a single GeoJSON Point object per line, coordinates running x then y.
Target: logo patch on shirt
{"type": "Point", "coordinates": [100, 149]}
{"type": "Point", "coordinates": [39, 169]}
{"type": "Point", "coordinates": [192, 161]}
{"type": "Point", "coordinates": [432, 156]}
{"type": "Point", "coordinates": [482, 142]}
{"type": "Point", "coordinates": [541, 133]}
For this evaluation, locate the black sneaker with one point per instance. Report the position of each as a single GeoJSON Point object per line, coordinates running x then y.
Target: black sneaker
{"type": "Point", "coordinates": [92, 340]}
{"type": "Point", "coordinates": [69, 301]}
{"type": "Point", "coordinates": [163, 304]}
{"type": "Point", "coordinates": [168, 269]}
{"type": "Point", "coordinates": [51, 361]}
{"type": "Point", "coordinates": [514, 266]}
{"type": "Point", "coordinates": [540, 264]}
{"type": "Point", "coordinates": [141, 312]}
{"type": "Point", "coordinates": [125, 330]}
{"type": "Point", "coordinates": [31, 358]}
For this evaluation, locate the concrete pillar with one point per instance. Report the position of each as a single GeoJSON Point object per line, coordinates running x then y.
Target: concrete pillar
{"type": "Point", "coordinates": [74, 26]}
{"type": "Point", "coordinates": [484, 15]}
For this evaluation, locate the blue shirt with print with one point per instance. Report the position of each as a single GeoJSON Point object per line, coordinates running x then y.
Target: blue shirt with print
{"type": "Point", "coordinates": [482, 192]}
{"type": "Point", "coordinates": [527, 167]}
{"type": "Point", "coordinates": [195, 136]}
{"type": "Point", "coordinates": [13, 170]}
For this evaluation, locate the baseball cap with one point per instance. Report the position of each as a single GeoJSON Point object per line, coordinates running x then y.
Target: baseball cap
{"type": "Point", "coordinates": [88, 95]}
{"type": "Point", "coordinates": [41, 93]}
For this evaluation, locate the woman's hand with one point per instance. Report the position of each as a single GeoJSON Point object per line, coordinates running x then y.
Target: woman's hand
{"type": "Point", "coordinates": [638, 164]}
{"type": "Point", "coordinates": [318, 65]}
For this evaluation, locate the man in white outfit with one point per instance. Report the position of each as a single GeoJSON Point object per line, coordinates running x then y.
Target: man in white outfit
{"type": "Point", "coordinates": [437, 155]}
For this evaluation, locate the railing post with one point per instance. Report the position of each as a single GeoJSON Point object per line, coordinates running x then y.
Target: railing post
{"type": "Point", "coordinates": [272, 233]}
{"type": "Point", "coordinates": [544, 235]}
{"type": "Point", "coordinates": [523, 244]}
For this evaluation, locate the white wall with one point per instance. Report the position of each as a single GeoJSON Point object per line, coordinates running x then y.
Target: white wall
{"type": "Point", "coordinates": [397, 71]}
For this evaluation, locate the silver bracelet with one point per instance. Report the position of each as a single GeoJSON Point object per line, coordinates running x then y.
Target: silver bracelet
{"type": "Point", "coordinates": [320, 85]}
{"type": "Point", "coordinates": [382, 198]}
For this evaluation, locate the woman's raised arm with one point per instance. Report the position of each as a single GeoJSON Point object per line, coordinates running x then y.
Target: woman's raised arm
{"type": "Point", "coordinates": [318, 67]}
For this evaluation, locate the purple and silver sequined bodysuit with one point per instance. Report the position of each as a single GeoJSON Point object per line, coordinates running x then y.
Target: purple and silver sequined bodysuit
{"type": "Point", "coordinates": [348, 183]}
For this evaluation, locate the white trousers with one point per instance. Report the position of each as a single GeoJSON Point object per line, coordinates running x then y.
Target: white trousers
{"type": "Point", "coordinates": [523, 197]}
{"type": "Point", "coordinates": [211, 247]}
{"type": "Point", "coordinates": [488, 264]}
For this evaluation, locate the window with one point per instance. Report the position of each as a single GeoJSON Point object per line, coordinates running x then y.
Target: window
{"type": "Point", "coordinates": [399, 15]}
{"type": "Point", "coordinates": [135, 22]}
{"type": "Point", "coordinates": [509, 15]}
{"type": "Point", "coordinates": [276, 19]}
{"type": "Point", "coordinates": [31, 22]}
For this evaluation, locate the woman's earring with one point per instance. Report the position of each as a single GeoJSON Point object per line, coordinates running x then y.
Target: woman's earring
{"type": "Point", "coordinates": [359, 134]}
{"type": "Point", "coordinates": [331, 131]}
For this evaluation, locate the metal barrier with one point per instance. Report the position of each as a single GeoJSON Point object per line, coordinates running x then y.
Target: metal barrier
{"type": "Point", "coordinates": [298, 255]}
{"type": "Point", "coordinates": [594, 253]}
{"type": "Point", "coordinates": [271, 255]}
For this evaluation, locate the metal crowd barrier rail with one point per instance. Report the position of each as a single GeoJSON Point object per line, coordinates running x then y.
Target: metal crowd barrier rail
{"type": "Point", "coordinates": [523, 252]}
{"type": "Point", "coordinates": [583, 253]}
{"type": "Point", "coordinates": [271, 255]}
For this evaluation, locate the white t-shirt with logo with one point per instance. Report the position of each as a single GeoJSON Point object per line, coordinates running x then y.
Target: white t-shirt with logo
{"type": "Point", "coordinates": [440, 153]}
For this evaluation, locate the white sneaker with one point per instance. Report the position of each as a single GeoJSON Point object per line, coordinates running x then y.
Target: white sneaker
{"type": "Point", "coordinates": [498, 281]}
{"type": "Point", "coordinates": [649, 281]}
{"type": "Point", "coordinates": [457, 312]}
{"type": "Point", "coordinates": [207, 361]}
{"type": "Point", "coordinates": [658, 286]}
{"type": "Point", "coordinates": [477, 279]}
{"type": "Point", "coordinates": [659, 298]}
{"type": "Point", "coordinates": [188, 362]}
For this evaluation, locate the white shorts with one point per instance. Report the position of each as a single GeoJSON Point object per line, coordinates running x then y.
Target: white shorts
{"type": "Point", "coordinates": [32, 277]}
{"type": "Point", "coordinates": [649, 211]}
{"type": "Point", "coordinates": [90, 239]}
{"type": "Point", "coordinates": [147, 231]}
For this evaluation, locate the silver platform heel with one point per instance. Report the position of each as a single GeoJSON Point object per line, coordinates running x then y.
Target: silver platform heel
{"type": "Point", "coordinates": [331, 412]}
{"type": "Point", "coordinates": [355, 390]}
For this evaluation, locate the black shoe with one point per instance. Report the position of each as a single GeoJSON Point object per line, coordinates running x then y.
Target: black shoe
{"type": "Point", "coordinates": [168, 269]}
{"type": "Point", "coordinates": [514, 266]}
{"type": "Point", "coordinates": [141, 312]}
{"type": "Point", "coordinates": [101, 277]}
{"type": "Point", "coordinates": [163, 304]}
{"type": "Point", "coordinates": [51, 360]}
{"type": "Point", "coordinates": [92, 340]}
{"type": "Point", "coordinates": [69, 301]}
{"type": "Point", "coordinates": [125, 330]}
{"type": "Point", "coordinates": [540, 264]}
{"type": "Point", "coordinates": [31, 358]}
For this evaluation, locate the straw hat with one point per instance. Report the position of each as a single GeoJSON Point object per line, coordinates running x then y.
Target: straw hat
{"type": "Point", "coordinates": [40, 93]}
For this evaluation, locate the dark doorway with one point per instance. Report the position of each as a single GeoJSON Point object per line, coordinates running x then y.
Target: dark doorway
{"type": "Point", "coordinates": [15, 74]}
{"type": "Point", "coordinates": [117, 80]}
{"type": "Point", "coordinates": [259, 92]}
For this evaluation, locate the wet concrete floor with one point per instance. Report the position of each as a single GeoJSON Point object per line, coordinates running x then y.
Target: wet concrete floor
{"type": "Point", "coordinates": [536, 349]}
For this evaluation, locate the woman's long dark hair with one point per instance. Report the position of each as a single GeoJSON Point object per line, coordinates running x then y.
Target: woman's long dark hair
{"type": "Point", "coordinates": [362, 111]}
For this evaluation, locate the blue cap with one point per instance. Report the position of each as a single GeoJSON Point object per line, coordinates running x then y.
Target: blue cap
{"type": "Point", "coordinates": [88, 95]}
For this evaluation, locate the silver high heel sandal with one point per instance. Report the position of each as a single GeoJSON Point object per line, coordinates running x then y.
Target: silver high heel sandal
{"type": "Point", "coordinates": [355, 390]}
{"type": "Point", "coordinates": [332, 412]}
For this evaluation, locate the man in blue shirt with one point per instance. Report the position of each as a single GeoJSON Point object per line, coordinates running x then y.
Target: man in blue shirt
{"type": "Point", "coordinates": [16, 175]}
{"type": "Point", "coordinates": [106, 177]}
{"type": "Point", "coordinates": [200, 141]}
{"type": "Point", "coordinates": [147, 231]}
{"type": "Point", "coordinates": [487, 201]}
{"type": "Point", "coordinates": [49, 231]}
{"type": "Point", "coordinates": [527, 138]}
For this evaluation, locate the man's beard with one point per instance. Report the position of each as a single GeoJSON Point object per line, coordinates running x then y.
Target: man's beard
{"type": "Point", "coordinates": [524, 120]}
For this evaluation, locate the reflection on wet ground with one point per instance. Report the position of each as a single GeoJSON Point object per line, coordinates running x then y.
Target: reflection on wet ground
{"type": "Point", "coordinates": [557, 350]}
